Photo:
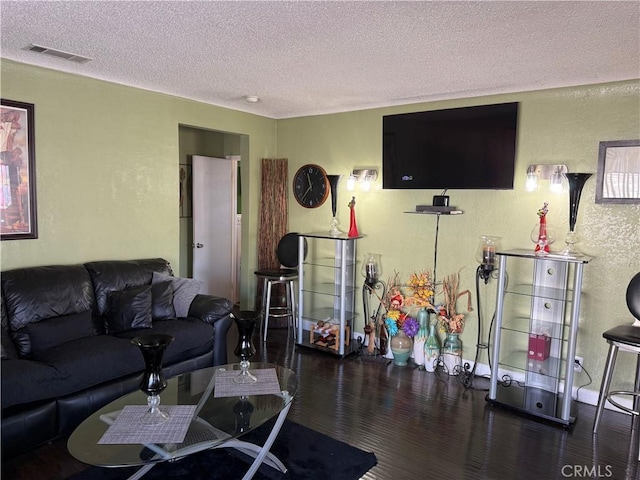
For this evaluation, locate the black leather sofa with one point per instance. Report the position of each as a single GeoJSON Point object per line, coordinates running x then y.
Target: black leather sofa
{"type": "Point", "coordinates": [66, 340]}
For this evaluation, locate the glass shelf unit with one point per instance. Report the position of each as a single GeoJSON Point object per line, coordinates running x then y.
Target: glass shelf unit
{"type": "Point", "coordinates": [536, 328]}
{"type": "Point", "coordinates": [327, 292]}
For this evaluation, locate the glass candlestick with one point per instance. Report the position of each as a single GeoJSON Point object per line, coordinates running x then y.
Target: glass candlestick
{"type": "Point", "coordinates": [245, 322]}
{"type": "Point", "coordinates": [486, 255]}
{"type": "Point", "coordinates": [371, 269]}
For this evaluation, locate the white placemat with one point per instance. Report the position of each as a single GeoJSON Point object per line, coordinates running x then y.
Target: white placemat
{"type": "Point", "coordinates": [267, 383]}
{"type": "Point", "coordinates": [127, 428]}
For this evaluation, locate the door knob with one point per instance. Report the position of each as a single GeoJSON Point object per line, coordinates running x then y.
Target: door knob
{"type": "Point", "coordinates": [199, 245]}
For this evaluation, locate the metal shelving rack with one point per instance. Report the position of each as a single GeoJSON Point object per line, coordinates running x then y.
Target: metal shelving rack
{"type": "Point", "coordinates": [549, 305]}
{"type": "Point", "coordinates": [327, 291]}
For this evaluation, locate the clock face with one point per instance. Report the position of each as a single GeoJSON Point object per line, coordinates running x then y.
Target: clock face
{"type": "Point", "coordinates": [310, 186]}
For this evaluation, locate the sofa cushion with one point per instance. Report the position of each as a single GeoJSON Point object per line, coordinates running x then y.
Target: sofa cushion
{"type": "Point", "coordinates": [162, 301]}
{"type": "Point", "coordinates": [129, 309]}
{"type": "Point", "coordinates": [26, 381]}
{"type": "Point", "coordinates": [115, 275]}
{"type": "Point", "coordinates": [191, 337]}
{"type": "Point", "coordinates": [91, 361]}
{"type": "Point", "coordinates": [37, 293]}
{"type": "Point", "coordinates": [184, 291]}
{"type": "Point", "coordinates": [56, 331]}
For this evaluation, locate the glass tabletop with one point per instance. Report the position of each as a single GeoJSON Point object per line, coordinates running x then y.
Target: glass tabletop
{"type": "Point", "coordinates": [217, 420]}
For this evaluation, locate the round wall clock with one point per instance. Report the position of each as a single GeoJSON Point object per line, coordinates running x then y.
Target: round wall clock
{"type": "Point", "coordinates": [310, 186]}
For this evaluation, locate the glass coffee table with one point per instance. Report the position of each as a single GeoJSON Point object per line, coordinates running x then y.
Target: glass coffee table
{"type": "Point", "coordinates": [213, 422]}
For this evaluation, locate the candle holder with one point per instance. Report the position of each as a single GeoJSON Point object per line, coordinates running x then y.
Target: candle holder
{"type": "Point", "coordinates": [371, 271]}
{"type": "Point", "coordinates": [486, 255]}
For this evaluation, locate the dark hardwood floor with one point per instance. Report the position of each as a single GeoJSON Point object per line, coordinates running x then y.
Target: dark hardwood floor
{"type": "Point", "coordinates": [420, 425]}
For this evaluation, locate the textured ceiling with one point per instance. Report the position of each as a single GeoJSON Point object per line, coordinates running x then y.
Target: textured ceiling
{"type": "Point", "coordinates": [304, 58]}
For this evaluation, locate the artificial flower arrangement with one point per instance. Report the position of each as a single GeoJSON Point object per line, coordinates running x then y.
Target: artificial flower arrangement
{"type": "Point", "coordinates": [450, 320]}
{"type": "Point", "coordinates": [400, 306]}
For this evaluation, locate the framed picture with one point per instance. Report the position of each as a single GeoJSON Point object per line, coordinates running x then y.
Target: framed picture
{"type": "Point", "coordinates": [17, 171]}
{"type": "Point", "coordinates": [185, 190]}
{"type": "Point", "coordinates": [618, 179]}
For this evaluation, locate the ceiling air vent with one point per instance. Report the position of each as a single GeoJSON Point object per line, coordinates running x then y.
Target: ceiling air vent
{"type": "Point", "coordinates": [57, 53]}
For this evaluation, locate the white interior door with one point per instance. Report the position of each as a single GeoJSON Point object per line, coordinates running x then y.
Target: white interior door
{"type": "Point", "coordinates": [214, 224]}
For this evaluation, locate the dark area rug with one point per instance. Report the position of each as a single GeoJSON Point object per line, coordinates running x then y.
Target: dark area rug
{"type": "Point", "coordinates": [309, 455]}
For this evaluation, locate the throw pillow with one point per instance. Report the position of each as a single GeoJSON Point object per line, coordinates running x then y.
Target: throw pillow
{"type": "Point", "coordinates": [55, 331]}
{"type": "Point", "coordinates": [162, 301]}
{"type": "Point", "coordinates": [129, 309]}
{"type": "Point", "coordinates": [184, 291]}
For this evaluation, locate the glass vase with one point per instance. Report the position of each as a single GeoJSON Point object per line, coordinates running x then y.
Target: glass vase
{"type": "Point", "coordinates": [421, 337]}
{"type": "Point", "coordinates": [153, 382]}
{"type": "Point", "coordinates": [452, 353]}
{"type": "Point", "coordinates": [576, 182]}
{"type": "Point", "coordinates": [431, 349]}
{"type": "Point", "coordinates": [543, 236]}
{"type": "Point", "coordinates": [353, 227]}
{"type": "Point", "coordinates": [245, 321]}
{"type": "Point", "coordinates": [333, 185]}
{"type": "Point", "coordinates": [401, 347]}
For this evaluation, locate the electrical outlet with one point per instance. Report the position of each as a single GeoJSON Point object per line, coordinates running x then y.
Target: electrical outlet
{"type": "Point", "coordinates": [577, 365]}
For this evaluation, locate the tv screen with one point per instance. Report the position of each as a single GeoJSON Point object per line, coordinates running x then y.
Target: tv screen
{"type": "Point", "coordinates": [458, 148]}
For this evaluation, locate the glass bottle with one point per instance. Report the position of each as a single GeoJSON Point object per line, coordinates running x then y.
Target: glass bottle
{"type": "Point", "coordinates": [431, 349]}
{"type": "Point", "coordinates": [421, 337]}
{"type": "Point", "coordinates": [452, 353]}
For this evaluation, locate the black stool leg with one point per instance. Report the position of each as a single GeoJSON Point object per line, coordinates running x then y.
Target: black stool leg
{"type": "Point", "coordinates": [606, 382]}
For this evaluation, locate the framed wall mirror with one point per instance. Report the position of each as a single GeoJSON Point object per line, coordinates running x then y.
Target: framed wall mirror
{"type": "Point", "coordinates": [618, 179]}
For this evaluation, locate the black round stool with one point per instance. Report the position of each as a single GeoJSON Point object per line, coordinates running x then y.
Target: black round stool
{"type": "Point", "coordinates": [624, 338]}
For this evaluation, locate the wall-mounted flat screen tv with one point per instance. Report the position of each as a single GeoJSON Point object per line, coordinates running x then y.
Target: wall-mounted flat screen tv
{"type": "Point", "coordinates": [458, 148]}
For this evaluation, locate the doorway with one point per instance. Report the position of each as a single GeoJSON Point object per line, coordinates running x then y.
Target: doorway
{"type": "Point", "coordinates": [200, 142]}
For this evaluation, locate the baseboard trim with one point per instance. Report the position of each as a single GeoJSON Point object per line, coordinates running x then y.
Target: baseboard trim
{"type": "Point", "coordinates": [584, 395]}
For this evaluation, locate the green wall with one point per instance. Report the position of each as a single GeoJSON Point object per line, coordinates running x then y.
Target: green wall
{"type": "Point", "coordinates": [107, 169]}
{"type": "Point", "coordinates": [555, 126]}
{"type": "Point", "coordinates": [107, 185]}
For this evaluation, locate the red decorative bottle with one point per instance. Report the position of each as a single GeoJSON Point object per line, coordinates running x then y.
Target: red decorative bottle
{"type": "Point", "coordinates": [353, 228]}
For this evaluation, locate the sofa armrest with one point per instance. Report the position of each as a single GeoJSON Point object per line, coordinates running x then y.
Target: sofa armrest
{"type": "Point", "coordinates": [209, 309]}
{"type": "Point", "coordinates": [216, 312]}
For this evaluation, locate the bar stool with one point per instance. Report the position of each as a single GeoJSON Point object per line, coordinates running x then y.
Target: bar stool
{"type": "Point", "coordinates": [287, 275]}
{"type": "Point", "coordinates": [625, 338]}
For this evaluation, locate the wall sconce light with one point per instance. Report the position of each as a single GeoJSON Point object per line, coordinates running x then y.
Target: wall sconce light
{"type": "Point", "coordinates": [556, 175]}
{"type": "Point", "coordinates": [362, 177]}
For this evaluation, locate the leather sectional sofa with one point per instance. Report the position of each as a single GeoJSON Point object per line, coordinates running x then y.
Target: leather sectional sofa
{"type": "Point", "coordinates": [66, 340]}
